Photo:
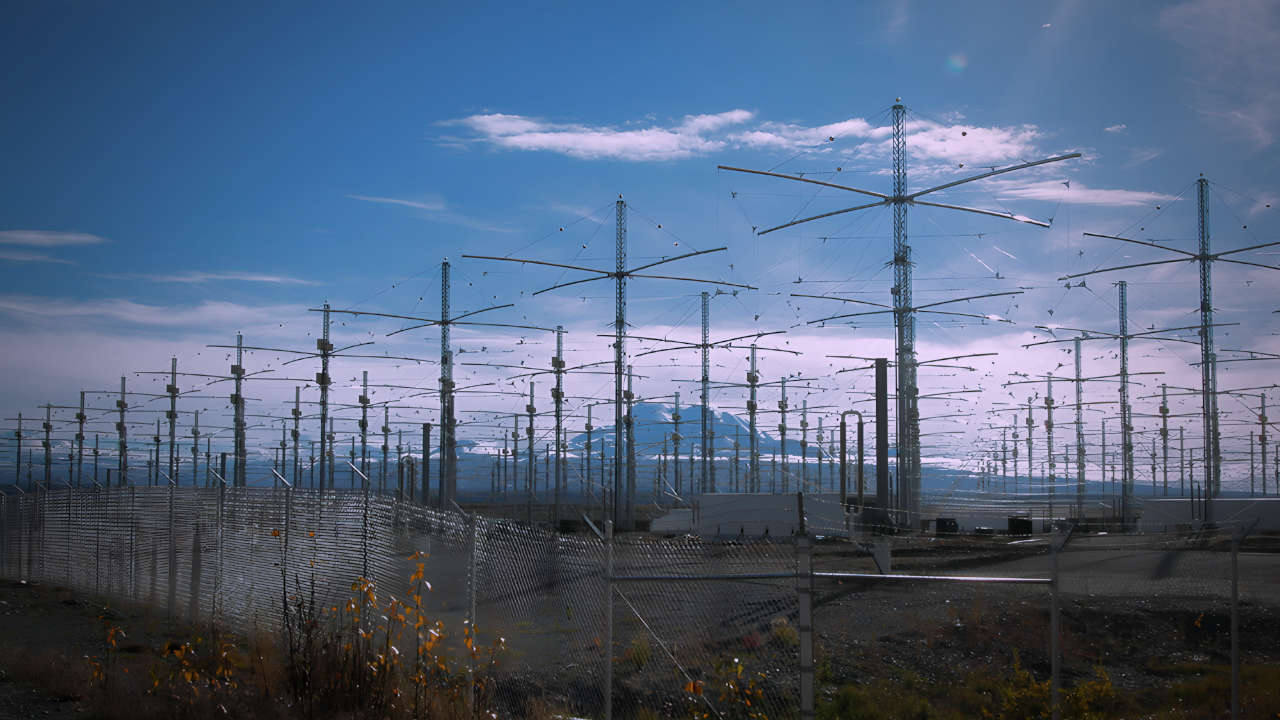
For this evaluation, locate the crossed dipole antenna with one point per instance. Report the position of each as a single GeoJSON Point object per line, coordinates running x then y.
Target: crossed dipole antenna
{"type": "Point", "coordinates": [619, 274]}
{"type": "Point", "coordinates": [1204, 257]}
{"type": "Point", "coordinates": [908, 415]}
{"type": "Point", "coordinates": [705, 346]}
{"type": "Point", "coordinates": [448, 408]}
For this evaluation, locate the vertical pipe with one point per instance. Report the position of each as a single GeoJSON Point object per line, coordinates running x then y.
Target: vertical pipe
{"type": "Point", "coordinates": [882, 433]}
{"type": "Point", "coordinates": [753, 377]}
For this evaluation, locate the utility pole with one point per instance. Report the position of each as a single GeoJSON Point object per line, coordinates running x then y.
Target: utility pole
{"type": "Point", "coordinates": [1004, 460]}
{"type": "Point", "coordinates": [1262, 438]}
{"type": "Point", "coordinates": [449, 423]}
{"type": "Point", "coordinates": [237, 404]}
{"type": "Point", "coordinates": [386, 447]}
{"type": "Point", "coordinates": [676, 438]}
{"type": "Point", "coordinates": [122, 469]}
{"type": "Point", "coordinates": [1164, 433]}
{"type": "Point", "coordinates": [195, 451]}
{"type": "Point", "coordinates": [1079, 381]}
{"type": "Point", "coordinates": [172, 414]}
{"type": "Point", "coordinates": [1126, 418]}
{"type": "Point", "coordinates": [80, 418]}
{"type": "Point", "coordinates": [804, 446]}
{"type": "Point", "coordinates": [325, 346]}
{"type": "Point", "coordinates": [1048, 432]}
{"type": "Point", "coordinates": [533, 460]}
{"type": "Point", "coordinates": [48, 447]}
{"type": "Point", "coordinates": [782, 432]}
{"type": "Point", "coordinates": [296, 435]}
{"type": "Point", "coordinates": [364, 427]}
{"type": "Point", "coordinates": [1182, 461]}
{"type": "Point", "coordinates": [557, 394]}
{"type": "Point", "coordinates": [1014, 424]}
{"type": "Point", "coordinates": [1031, 426]}
{"type": "Point", "coordinates": [586, 453]}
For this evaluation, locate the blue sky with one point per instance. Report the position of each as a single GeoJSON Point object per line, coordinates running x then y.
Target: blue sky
{"type": "Point", "coordinates": [175, 174]}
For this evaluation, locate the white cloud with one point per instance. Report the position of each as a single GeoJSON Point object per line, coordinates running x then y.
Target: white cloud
{"type": "Point", "coordinates": [1232, 51]}
{"type": "Point", "coordinates": [28, 256]}
{"type": "Point", "coordinates": [1119, 128]}
{"type": "Point", "coordinates": [656, 143]}
{"type": "Point", "coordinates": [47, 238]}
{"type": "Point", "coordinates": [1077, 194]}
{"type": "Point", "coordinates": [196, 277]}
{"type": "Point", "coordinates": [698, 135]}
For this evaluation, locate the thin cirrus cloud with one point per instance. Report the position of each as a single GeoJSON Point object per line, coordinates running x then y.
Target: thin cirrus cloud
{"type": "Point", "coordinates": [435, 209]}
{"type": "Point", "coordinates": [9, 255]}
{"type": "Point", "coordinates": [197, 277]}
{"type": "Point", "coordinates": [700, 135]}
{"type": "Point", "coordinates": [47, 238]}
{"type": "Point", "coordinates": [1233, 78]}
{"type": "Point", "coordinates": [1075, 193]}
{"type": "Point", "coordinates": [692, 136]}
{"type": "Point", "coordinates": [128, 312]}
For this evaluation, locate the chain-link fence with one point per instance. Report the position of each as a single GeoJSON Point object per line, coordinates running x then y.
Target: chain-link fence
{"type": "Point", "coordinates": [639, 626]}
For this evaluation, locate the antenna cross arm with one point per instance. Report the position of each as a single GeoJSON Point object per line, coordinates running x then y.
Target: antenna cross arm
{"type": "Point", "coordinates": [999, 171]}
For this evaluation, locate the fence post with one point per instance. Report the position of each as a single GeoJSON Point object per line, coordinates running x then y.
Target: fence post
{"type": "Point", "coordinates": [804, 597]}
{"type": "Point", "coordinates": [608, 620]}
{"type": "Point", "coordinates": [1055, 623]}
{"type": "Point", "coordinates": [471, 615]}
{"type": "Point", "coordinates": [1235, 625]}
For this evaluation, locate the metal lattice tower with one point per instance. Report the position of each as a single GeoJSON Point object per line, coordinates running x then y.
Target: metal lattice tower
{"type": "Point", "coordinates": [907, 414]}
{"type": "Point", "coordinates": [448, 423]}
{"type": "Point", "coordinates": [1208, 359]}
{"type": "Point", "coordinates": [708, 468]}
{"type": "Point", "coordinates": [619, 355]}
{"type": "Point", "coordinates": [1126, 417]}
{"type": "Point", "coordinates": [1079, 380]}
